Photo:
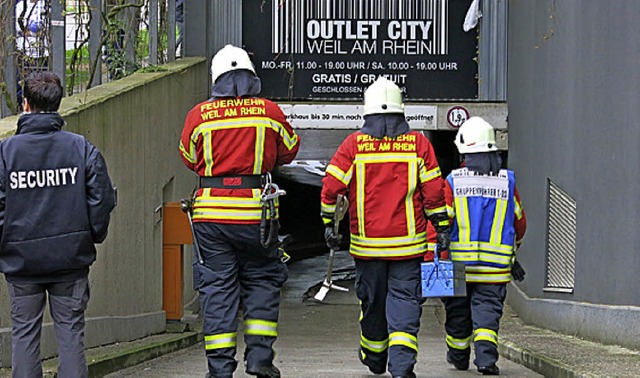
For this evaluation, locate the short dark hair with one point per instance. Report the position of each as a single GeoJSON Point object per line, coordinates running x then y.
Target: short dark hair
{"type": "Point", "coordinates": [43, 91]}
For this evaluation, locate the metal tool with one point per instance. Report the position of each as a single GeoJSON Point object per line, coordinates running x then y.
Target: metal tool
{"type": "Point", "coordinates": [187, 206]}
{"type": "Point", "coordinates": [342, 204]}
{"type": "Point", "coordinates": [443, 278]}
{"type": "Point", "coordinates": [269, 232]}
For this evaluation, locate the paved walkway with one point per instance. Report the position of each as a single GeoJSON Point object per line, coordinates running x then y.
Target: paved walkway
{"type": "Point", "coordinates": [321, 340]}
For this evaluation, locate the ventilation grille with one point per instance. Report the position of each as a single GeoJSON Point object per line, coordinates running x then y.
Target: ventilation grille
{"type": "Point", "coordinates": [561, 236]}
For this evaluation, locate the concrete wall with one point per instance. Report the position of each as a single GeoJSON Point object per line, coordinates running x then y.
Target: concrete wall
{"type": "Point", "coordinates": [573, 118]}
{"type": "Point", "coordinates": [136, 122]}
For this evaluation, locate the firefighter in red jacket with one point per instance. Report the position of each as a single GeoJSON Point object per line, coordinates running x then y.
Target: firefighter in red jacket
{"type": "Point", "coordinates": [488, 225]}
{"type": "Point", "coordinates": [232, 141]}
{"type": "Point", "coordinates": [393, 183]}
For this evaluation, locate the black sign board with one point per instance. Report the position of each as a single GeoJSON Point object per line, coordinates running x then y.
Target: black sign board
{"type": "Point", "coordinates": [334, 49]}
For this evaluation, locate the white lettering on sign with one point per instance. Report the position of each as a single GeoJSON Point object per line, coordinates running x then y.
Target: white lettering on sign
{"type": "Point", "coordinates": [42, 178]}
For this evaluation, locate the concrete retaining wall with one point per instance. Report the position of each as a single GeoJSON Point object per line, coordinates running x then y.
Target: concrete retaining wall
{"type": "Point", "coordinates": [136, 122]}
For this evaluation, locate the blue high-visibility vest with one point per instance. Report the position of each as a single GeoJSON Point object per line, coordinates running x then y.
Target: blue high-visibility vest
{"type": "Point", "coordinates": [483, 230]}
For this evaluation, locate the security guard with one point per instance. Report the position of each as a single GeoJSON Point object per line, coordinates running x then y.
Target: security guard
{"type": "Point", "coordinates": [394, 188]}
{"type": "Point", "coordinates": [55, 203]}
{"type": "Point", "coordinates": [489, 223]}
{"type": "Point", "coordinates": [233, 141]}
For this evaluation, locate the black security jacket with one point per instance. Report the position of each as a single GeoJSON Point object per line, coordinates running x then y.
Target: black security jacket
{"type": "Point", "coordinates": [55, 201]}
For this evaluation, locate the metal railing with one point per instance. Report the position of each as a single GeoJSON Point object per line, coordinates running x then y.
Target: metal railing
{"type": "Point", "coordinates": [85, 42]}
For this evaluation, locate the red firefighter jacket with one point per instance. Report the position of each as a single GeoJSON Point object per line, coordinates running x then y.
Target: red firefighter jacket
{"type": "Point", "coordinates": [393, 185]}
{"type": "Point", "coordinates": [235, 136]}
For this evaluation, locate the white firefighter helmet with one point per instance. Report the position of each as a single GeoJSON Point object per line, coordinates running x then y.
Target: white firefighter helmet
{"type": "Point", "coordinates": [383, 96]}
{"type": "Point", "coordinates": [476, 135]}
{"type": "Point", "coordinates": [230, 58]}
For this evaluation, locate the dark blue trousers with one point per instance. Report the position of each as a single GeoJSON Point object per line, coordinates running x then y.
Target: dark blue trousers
{"type": "Point", "coordinates": [475, 319]}
{"type": "Point", "coordinates": [390, 295]}
{"type": "Point", "coordinates": [237, 274]}
{"type": "Point", "coordinates": [67, 302]}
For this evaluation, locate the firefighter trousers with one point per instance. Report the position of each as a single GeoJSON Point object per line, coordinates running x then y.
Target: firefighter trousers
{"type": "Point", "coordinates": [475, 318]}
{"type": "Point", "coordinates": [67, 302]}
{"type": "Point", "coordinates": [389, 293]}
{"type": "Point", "coordinates": [238, 276]}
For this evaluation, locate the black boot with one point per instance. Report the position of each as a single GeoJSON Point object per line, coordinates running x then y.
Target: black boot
{"type": "Point", "coordinates": [372, 368]}
{"type": "Point", "coordinates": [489, 370]}
{"type": "Point", "coordinates": [406, 375]}
{"type": "Point", "coordinates": [458, 364]}
{"type": "Point", "coordinates": [264, 371]}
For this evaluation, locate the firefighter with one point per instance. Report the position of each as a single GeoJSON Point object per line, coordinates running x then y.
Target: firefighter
{"type": "Point", "coordinates": [488, 225]}
{"type": "Point", "coordinates": [233, 141]}
{"type": "Point", "coordinates": [393, 183]}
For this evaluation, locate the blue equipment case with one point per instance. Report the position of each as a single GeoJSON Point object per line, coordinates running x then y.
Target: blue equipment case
{"type": "Point", "coordinates": [443, 278]}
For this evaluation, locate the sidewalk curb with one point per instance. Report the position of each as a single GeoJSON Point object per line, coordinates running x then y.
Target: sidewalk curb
{"type": "Point", "coordinates": [540, 364]}
{"type": "Point", "coordinates": [107, 364]}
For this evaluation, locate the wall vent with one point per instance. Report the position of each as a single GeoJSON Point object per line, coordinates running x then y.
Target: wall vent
{"type": "Point", "coordinates": [561, 240]}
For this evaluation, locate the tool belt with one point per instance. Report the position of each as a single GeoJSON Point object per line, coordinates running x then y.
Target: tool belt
{"type": "Point", "coordinates": [233, 182]}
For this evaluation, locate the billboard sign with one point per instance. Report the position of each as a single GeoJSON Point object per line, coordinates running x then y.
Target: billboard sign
{"type": "Point", "coordinates": [334, 49]}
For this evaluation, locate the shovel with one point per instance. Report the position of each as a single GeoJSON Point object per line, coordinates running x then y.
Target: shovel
{"type": "Point", "coordinates": [342, 204]}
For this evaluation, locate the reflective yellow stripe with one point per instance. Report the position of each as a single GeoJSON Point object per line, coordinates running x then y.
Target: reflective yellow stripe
{"type": "Point", "coordinates": [386, 158]}
{"type": "Point", "coordinates": [498, 222]}
{"type": "Point", "coordinates": [487, 278]}
{"type": "Point", "coordinates": [480, 256]}
{"type": "Point", "coordinates": [207, 150]}
{"type": "Point", "coordinates": [518, 208]}
{"type": "Point", "coordinates": [485, 334]}
{"type": "Point", "coordinates": [343, 177]}
{"type": "Point", "coordinates": [390, 241]}
{"type": "Point", "coordinates": [404, 339]}
{"type": "Point", "coordinates": [481, 273]}
{"type": "Point", "coordinates": [206, 201]}
{"type": "Point", "coordinates": [374, 346]}
{"type": "Point", "coordinates": [258, 327]}
{"type": "Point", "coordinates": [189, 155]}
{"type": "Point", "coordinates": [482, 246]}
{"type": "Point", "coordinates": [259, 150]}
{"type": "Point", "coordinates": [234, 123]}
{"type": "Point", "coordinates": [389, 251]}
{"type": "Point", "coordinates": [227, 214]}
{"type": "Point", "coordinates": [461, 344]}
{"type": "Point", "coordinates": [223, 340]}
{"type": "Point", "coordinates": [462, 218]}
{"type": "Point", "coordinates": [451, 212]}
{"type": "Point", "coordinates": [441, 209]}
{"type": "Point", "coordinates": [289, 140]}
{"type": "Point", "coordinates": [429, 175]}
{"type": "Point", "coordinates": [327, 209]}
{"type": "Point", "coordinates": [408, 202]}
{"type": "Point", "coordinates": [360, 199]}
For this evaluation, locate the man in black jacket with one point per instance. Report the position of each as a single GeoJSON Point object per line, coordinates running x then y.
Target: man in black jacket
{"type": "Point", "coordinates": [55, 203]}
